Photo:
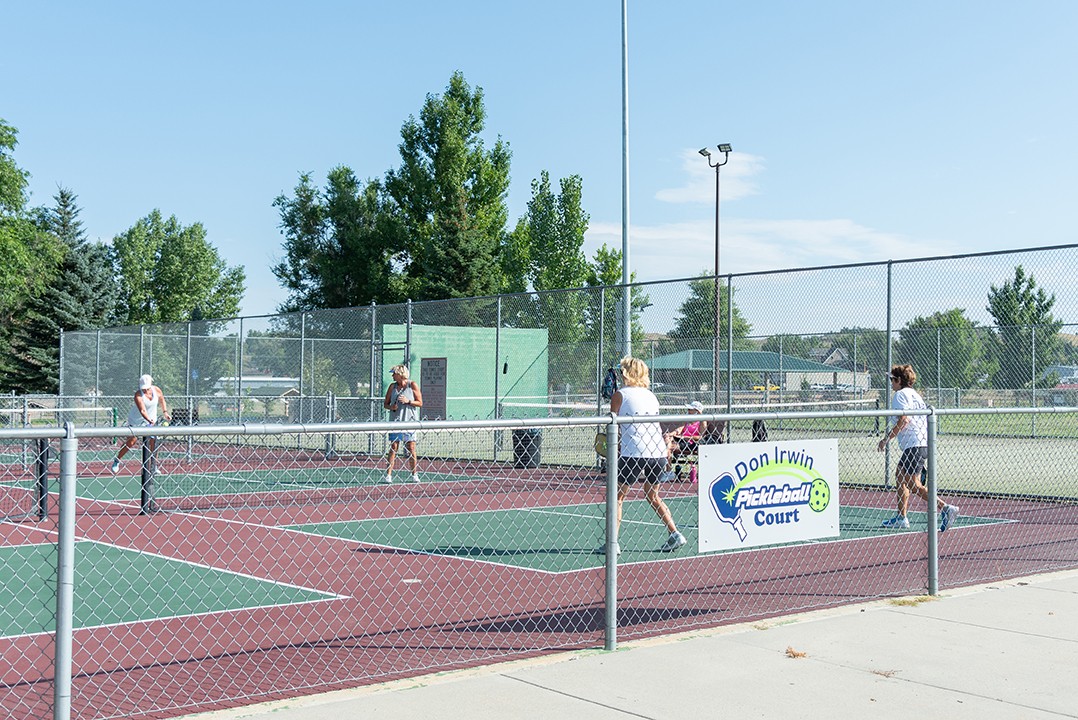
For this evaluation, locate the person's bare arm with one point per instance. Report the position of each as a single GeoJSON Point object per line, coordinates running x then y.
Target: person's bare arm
{"type": "Point", "coordinates": [164, 404]}
{"type": "Point", "coordinates": [902, 421]}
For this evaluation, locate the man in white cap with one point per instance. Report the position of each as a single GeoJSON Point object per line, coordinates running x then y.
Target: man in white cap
{"type": "Point", "coordinates": [149, 404]}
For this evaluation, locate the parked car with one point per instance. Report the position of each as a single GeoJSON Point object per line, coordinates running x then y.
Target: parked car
{"type": "Point", "coordinates": [761, 388]}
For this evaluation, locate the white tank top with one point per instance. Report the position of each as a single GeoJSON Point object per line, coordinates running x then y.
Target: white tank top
{"type": "Point", "coordinates": [640, 439]}
{"type": "Point", "coordinates": [149, 403]}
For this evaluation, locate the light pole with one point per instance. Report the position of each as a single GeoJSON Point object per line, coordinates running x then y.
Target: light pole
{"type": "Point", "coordinates": [725, 149]}
{"type": "Point", "coordinates": [625, 322]}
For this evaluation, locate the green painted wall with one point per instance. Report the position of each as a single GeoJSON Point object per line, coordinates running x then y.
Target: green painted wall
{"type": "Point", "coordinates": [471, 365]}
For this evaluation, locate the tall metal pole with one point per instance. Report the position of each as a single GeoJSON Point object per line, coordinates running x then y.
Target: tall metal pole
{"type": "Point", "coordinates": [725, 149]}
{"type": "Point", "coordinates": [718, 293]}
{"type": "Point", "coordinates": [625, 325]}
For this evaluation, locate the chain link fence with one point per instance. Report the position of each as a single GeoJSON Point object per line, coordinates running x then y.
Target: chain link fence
{"type": "Point", "coordinates": [982, 330]}
{"type": "Point", "coordinates": [228, 564]}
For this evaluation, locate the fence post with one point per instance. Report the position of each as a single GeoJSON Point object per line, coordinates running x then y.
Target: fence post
{"type": "Point", "coordinates": [41, 473]}
{"type": "Point", "coordinates": [496, 410]}
{"type": "Point", "coordinates": [933, 536]}
{"type": "Point", "coordinates": [612, 547]}
{"type": "Point", "coordinates": [147, 505]}
{"type": "Point", "coordinates": [65, 577]}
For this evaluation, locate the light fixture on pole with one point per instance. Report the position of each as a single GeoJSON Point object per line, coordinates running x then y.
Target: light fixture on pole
{"type": "Point", "coordinates": [725, 149]}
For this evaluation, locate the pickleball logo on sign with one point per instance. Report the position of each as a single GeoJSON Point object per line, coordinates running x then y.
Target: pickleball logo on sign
{"type": "Point", "coordinates": [772, 496]}
{"type": "Point", "coordinates": [723, 496]}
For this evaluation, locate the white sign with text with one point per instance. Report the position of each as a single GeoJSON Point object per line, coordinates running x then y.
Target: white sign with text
{"type": "Point", "coordinates": [764, 493]}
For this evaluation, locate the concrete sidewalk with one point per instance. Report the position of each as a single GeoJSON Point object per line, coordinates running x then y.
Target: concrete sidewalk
{"type": "Point", "coordinates": [998, 651]}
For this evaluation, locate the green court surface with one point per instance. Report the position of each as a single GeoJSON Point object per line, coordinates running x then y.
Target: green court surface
{"type": "Point", "coordinates": [566, 538]}
{"type": "Point", "coordinates": [117, 585]}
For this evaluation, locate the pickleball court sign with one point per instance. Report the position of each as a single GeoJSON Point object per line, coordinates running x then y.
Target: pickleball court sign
{"type": "Point", "coordinates": [764, 493]}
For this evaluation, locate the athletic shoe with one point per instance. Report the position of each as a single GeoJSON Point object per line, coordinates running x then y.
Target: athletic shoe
{"type": "Point", "coordinates": [601, 550]}
{"type": "Point", "coordinates": [948, 516]}
{"type": "Point", "coordinates": [415, 477]}
{"type": "Point", "coordinates": [115, 466]}
{"type": "Point", "coordinates": [388, 478]}
{"type": "Point", "coordinates": [898, 522]}
{"type": "Point", "coordinates": [673, 542]}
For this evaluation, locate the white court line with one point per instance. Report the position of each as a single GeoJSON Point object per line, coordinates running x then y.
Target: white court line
{"type": "Point", "coordinates": [128, 623]}
{"type": "Point", "coordinates": [200, 517]}
{"type": "Point", "coordinates": [267, 485]}
{"type": "Point", "coordinates": [215, 568]}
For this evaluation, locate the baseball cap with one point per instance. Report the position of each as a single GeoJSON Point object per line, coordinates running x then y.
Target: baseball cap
{"type": "Point", "coordinates": [696, 405]}
{"type": "Point", "coordinates": [144, 382]}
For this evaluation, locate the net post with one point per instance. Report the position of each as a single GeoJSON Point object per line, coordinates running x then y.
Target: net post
{"type": "Point", "coordinates": [613, 445]}
{"type": "Point", "coordinates": [933, 493]}
{"type": "Point", "coordinates": [331, 417]}
{"type": "Point", "coordinates": [65, 577]}
{"type": "Point", "coordinates": [41, 474]}
{"type": "Point", "coordinates": [149, 470]}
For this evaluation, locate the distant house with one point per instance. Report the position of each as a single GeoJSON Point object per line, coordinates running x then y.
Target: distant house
{"type": "Point", "coordinates": [692, 368]}
{"type": "Point", "coordinates": [833, 356]}
{"type": "Point", "coordinates": [1068, 374]}
{"type": "Point", "coordinates": [256, 386]}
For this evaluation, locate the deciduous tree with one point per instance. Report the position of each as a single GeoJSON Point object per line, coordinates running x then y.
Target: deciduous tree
{"type": "Point", "coordinates": [450, 194]}
{"type": "Point", "coordinates": [946, 348]}
{"type": "Point", "coordinates": [170, 273]}
{"type": "Point", "coordinates": [1027, 333]}
{"type": "Point", "coordinates": [338, 244]}
{"type": "Point", "coordinates": [696, 316]}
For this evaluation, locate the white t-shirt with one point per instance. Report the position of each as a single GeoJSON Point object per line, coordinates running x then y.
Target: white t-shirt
{"type": "Point", "coordinates": [640, 439]}
{"type": "Point", "coordinates": [915, 434]}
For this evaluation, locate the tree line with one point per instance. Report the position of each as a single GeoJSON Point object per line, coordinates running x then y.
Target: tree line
{"type": "Point", "coordinates": [436, 226]}
{"type": "Point", "coordinates": [53, 279]}
{"type": "Point", "coordinates": [949, 348]}
{"type": "Point", "coordinates": [433, 228]}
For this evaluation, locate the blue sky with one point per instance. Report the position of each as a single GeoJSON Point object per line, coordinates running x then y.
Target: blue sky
{"type": "Point", "coordinates": [861, 131]}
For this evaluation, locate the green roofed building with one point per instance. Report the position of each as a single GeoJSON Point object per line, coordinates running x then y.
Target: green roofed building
{"type": "Point", "coordinates": [752, 368]}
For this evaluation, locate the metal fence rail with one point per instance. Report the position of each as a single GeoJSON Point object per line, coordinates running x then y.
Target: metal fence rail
{"type": "Point", "coordinates": [228, 564]}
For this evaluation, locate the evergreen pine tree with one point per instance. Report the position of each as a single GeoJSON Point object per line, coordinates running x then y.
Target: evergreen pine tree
{"type": "Point", "coordinates": [83, 296]}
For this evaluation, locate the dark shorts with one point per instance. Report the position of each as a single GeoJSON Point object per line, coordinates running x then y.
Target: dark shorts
{"type": "Point", "coordinates": [686, 446]}
{"type": "Point", "coordinates": [913, 460]}
{"type": "Point", "coordinates": [631, 469]}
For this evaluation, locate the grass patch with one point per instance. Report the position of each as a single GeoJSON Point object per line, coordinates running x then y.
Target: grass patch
{"type": "Point", "coordinates": [913, 601]}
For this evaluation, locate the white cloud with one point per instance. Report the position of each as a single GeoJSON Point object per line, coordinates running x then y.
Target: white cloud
{"type": "Point", "coordinates": [737, 180]}
{"type": "Point", "coordinates": [679, 250]}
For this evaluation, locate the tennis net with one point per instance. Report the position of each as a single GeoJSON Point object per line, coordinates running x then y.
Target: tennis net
{"type": "Point", "coordinates": [33, 416]}
{"type": "Point", "coordinates": [341, 468]}
{"type": "Point", "coordinates": [24, 466]}
{"type": "Point", "coordinates": [737, 430]}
